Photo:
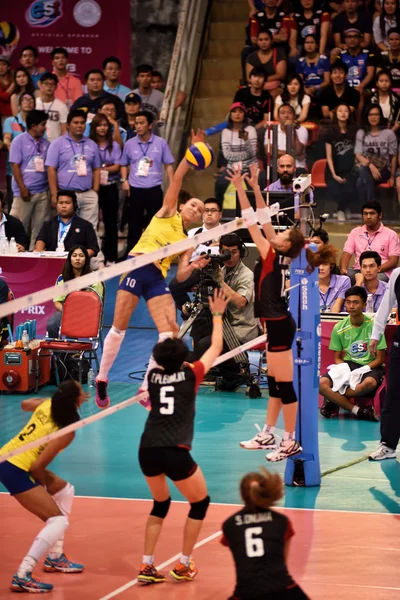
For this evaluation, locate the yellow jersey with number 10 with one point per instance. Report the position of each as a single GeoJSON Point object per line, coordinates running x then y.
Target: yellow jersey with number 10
{"type": "Point", "coordinates": [39, 425]}
{"type": "Point", "coordinates": [159, 233]}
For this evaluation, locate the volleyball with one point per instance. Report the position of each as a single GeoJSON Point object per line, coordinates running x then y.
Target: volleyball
{"type": "Point", "coordinates": [199, 156]}
{"type": "Point", "coordinates": [9, 36]}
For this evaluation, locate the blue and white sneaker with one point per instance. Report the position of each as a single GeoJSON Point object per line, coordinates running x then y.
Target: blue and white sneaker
{"type": "Point", "coordinates": [62, 564]}
{"type": "Point", "coordinates": [29, 584]}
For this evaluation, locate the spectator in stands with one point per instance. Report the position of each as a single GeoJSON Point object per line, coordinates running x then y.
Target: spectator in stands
{"type": "Point", "coordinates": [6, 87]}
{"type": "Point", "coordinates": [30, 184]}
{"type": "Point", "coordinates": [69, 87]}
{"type": "Point", "coordinates": [390, 59]}
{"type": "Point", "coordinates": [370, 265]}
{"type": "Point", "coordinates": [376, 153]}
{"type": "Point", "coordinates": [133, 105]}
{"type": "Point", "coordinates": [294, 95]}
{"type": "Point", "coordinates": [350, 340]}
{"type": "Point", "coordinates": [389, 18]}
{"type": "Point", "coordinates": [157, 83]}
{"type": "Point", "coordinates": [76, 265]}
{"type": "Point", "coordinates": [28, 58]}
{"type": "Point", "coordinates": [91, 101]}
{"type": "Point", "coordinates": [286, 116]}
{"type": "Point", "coordinates": [152, 100]}
{"type": "Point", "coordinates": [272, 60]}
{"type": "Point", "coordinates": [286, 167]}
{"type": "Point", "coordinates": [67, 229]}
{"type": "Point", "coordinates": [387, 99]}
{"type": "Point", "coordinates": [309, 19]}
{"type": "Point", "coordinates": [11, 227]}
{"type": "Point", "coordinates": [360, 62]}
{"type": "Point", "coordinates": [350, 18]}
{"type": "Point", "coordinates": [109, 108]}
{"type": "Point", "coordinates": [22, 83]}
{"type": "Point", "coordinates": [313, 68]}
{"type": "Point", "coordinates": [73, 163]}
{"type": "Point", "coordinates": [372, 235]}
{"type": "Point", "coordinates": [239, 144]}
{"type": "Point", "coordinates": [332, 288]}
{"type": "Point", "coordinates": [319, 237]}
{"type": "Point", "coordinates": [143, 157]}
{"type": "Point", "coordinates": [258, 102]}
{"type": "Point", "coordinates": [110, 155]}
{"type": "Point", "coordinates": [112, 71]}
{"type": "Point", "coordinates": [339, 147]}
{"type": "Point", "coordinates": [339, 92]}
{"type": "Point", "coordinates": [56, 110]}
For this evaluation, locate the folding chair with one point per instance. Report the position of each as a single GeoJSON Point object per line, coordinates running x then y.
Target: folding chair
{"type": "Point", "coordinates": [318, 173]}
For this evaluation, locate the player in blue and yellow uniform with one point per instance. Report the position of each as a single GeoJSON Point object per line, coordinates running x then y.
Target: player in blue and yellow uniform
{"type": "Point", "coordinates": [37, 489]}
{"type": "Point", "coordinates": [168, 226]}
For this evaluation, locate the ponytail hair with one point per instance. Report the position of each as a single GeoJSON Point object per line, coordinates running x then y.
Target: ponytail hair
{"type": "Point", "coordinates": [261, 490]}
{"type": "Point", "coordinates": [326, 254]}
{"type": "Point", "coordinates": [64, 410]}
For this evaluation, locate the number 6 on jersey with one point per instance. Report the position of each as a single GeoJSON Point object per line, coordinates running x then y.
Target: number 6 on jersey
{"type": "Point", "coordinates": [167, 400]}
{"type": "Point", "coordinates": [254, 545]}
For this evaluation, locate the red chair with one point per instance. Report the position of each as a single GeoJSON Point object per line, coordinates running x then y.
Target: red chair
{"type": "Point", "coordinates": [81, 325]}
{"type": "Point", "coordinates": [318, 173]}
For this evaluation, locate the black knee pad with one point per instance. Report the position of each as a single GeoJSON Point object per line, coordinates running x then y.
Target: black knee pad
{"type": "Point", "coordinates": [198, 510]}
{"type": "Point", "coordinates": [160, 509]}
{"type": "Point", "coordinates": [272, 387]}
{"type": "Point", "coordinates": [286, 392]}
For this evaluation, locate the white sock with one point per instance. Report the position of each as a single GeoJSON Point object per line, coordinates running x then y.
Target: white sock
{"type": "Point", "coordinates": [152, 363]}
{"type": "Point", "coordinates": [57, 550]}
{"type": "Point", "coordinates": [63, 499]}
{"type": "Point", "coordinates": [112, 344]}
{"type": "Point", "coordinates": [355, 409]}
{"type": "Point", "coordinates": [54, 530]}
{"type": "Point", "coordinates": [148, 559]}
{"type": "Point", "coordinates": [268, 429]}
{"type": "Point", "coordinates": [184, 560]}
{"type": "Point", "coordinates": [289, 436]}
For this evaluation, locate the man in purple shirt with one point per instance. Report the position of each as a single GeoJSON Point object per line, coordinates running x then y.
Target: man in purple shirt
{"type": "Point", "coordinates": [73, 163]}
{"type": "Point", "coordinates": [286, 168]}
{"type": "Point", "coordinates": [30, 184]}
{"type": "Point", "coordinates": [144, 157]}
{"type": "Point", "coordinates": [370, 265]}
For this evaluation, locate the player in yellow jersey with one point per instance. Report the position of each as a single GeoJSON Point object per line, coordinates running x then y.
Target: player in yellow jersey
{"type": "Point", "coordinates": [169, 225]}
{"type": "Point", "coordinates": [39, 490]}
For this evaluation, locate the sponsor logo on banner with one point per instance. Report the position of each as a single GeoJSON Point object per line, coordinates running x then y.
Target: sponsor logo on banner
{"type": "Point", "coordinates": [302, 362]}
{"type": "Point", "coordinates": [34, 310]}
{"type": "Point", "coordinates": [299, 271]}
{"type": "Point", "coordinates": [42, 13]}
{"type": "Point", "coordinates": [87, 13]}
{"type": "Point", "coordinates": [304, 293]}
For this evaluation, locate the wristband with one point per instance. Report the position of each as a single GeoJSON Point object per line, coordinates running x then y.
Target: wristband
{"type": "Point", "coordinates": [249, 217]}
{"type": "Point", "coordinates": [263, 215]}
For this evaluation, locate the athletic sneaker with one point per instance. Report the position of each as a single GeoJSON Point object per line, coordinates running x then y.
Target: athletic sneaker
{"type": "Point", "coordinates": [382, 453]}
{"type": "Point", "coordinates": [29, 584]}
{"type": "Point", "coordinates": [286, 448]}
{"type": "Point", "coordinates": [149, 574]}
{"type": "Point", "coordinates": [367, 413]}
{"type": "Point", "coordinates": [145, 402]}
{"type": "Point", "coordinates": [329, 409]}
{"type": "Point", "coordinates": [62, 564]}
{"type": "Point", "coordinates": [261, 441]}
{"type": "Point", "coordinates": [102, 398]}
{"type": "Point", "coordinates": [183, 573]}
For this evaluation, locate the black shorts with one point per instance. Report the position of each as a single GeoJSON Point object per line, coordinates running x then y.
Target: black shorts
{"type": "Point", "coordinates": [175, 463]}
{"type": "Point", "coordinates": [293, 593]}
{"type": "Point", "coordinates": [280, 334]}
{"type": "Point", "coordinates": [376, 374]}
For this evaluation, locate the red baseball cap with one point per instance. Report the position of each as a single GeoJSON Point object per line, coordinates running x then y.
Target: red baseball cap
{"type": "Point", "coordinates": [238, 105]}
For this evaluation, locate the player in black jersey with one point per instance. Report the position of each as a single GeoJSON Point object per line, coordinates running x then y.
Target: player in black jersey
{"type": "Point", "coordinates": [166, 442]}
{"type": "Point", "coordinates": [276, 250]}
{"type": "Point", "coordinates": [259, 539]}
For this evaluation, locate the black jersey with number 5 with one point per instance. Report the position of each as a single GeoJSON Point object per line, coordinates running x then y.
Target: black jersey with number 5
{"type": "Point", "coordinates": [257, 542]}
{"type": "Point", "coordinates": [171, 419]}
{"type": "Point", "coordinates": [270, 284]}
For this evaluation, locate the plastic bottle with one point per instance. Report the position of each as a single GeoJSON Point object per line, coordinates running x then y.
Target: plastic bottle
{"type": "Point", "coordinates": [25, 339]}
{"type": "Point", "coordinates": [370, 304]}
{"type": "Point", "coordinates": [13, 246]}
{"type": "Point", "coordinates": [3, 245]}
{"type": "Point", "coordinates": [91, 378]}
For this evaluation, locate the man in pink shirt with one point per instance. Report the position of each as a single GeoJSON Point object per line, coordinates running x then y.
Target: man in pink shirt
{"type": "Point", "coordinates": [69, 87]}
{"type": "Point", "coordinates": [373, 235]}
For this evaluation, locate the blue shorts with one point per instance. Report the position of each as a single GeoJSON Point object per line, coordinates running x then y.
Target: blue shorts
{"type": "Point", "coordinates": [16, 480]}
{"type": "Point", "coordinates": [146, 281]}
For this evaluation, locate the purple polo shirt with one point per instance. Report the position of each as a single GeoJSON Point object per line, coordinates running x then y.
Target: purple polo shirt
{"type": "Point", "coordinates": [23, 150]}
{"type": "Point", "coordinates": [277, 186]}
{"type": "Point", "coordinates": [338, 285]}
{"type": "Point", "coordinates": [108, 158]}
{"type": "Point", "coordinates": [380, 292]}
{"type": "Point", "coordinates": [155, 149]}
{"type": "Point", "coordinates": [64, 153]}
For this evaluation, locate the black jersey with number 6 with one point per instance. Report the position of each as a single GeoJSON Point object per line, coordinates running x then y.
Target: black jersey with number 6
{"type": "Point", "coordinates": [257, 542]}
{"type": "Point", "coordinates": [269, 285]}
{"type": "Point", "coordinates": [171, 419]}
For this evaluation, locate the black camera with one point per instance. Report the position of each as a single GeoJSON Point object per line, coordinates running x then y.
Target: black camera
{"type": "Point", "coordinates": [216, 261]}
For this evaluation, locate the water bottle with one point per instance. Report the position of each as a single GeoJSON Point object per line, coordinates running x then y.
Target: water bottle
{"type": "Point", "coordinates": [91, 377]}
{"type": "Point", "coordinates": [13, 246]}
{"type": "Point", "coordinates": [25, 339]}
{"type": "Point", "coordinates": [3, 245]}
{"type": "Point", "coordinates": [370, 304]}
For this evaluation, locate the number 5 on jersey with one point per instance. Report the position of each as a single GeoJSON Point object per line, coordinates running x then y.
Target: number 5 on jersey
{"type": "Point", "coordinates": [167, 398]}
{"type": "Point", "coordinates": [254, 544]}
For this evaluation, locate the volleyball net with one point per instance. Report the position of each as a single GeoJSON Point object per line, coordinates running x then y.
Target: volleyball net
{"type": "Point", "coordinates": [13, 418]}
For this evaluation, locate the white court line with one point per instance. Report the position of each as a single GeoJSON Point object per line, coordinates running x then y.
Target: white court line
{"type": "Point", "coordinates": [353, 585]}
{"type": "Point", "coordinates": [130, 584]}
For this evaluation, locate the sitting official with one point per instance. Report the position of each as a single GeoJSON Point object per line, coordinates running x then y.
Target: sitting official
{"type": "Point", "coordinates": [11, 227]}
{"type": "Point", "coordinates": [332, 288]}
{"type": "Point", "coordinates": [66, 229]}
{"type": "Point", "coordinates": [355, 372]}
{"type": "Point", "coordinates": [370, 265]}
{"type": "Point", "coordinates": [286, 168]}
